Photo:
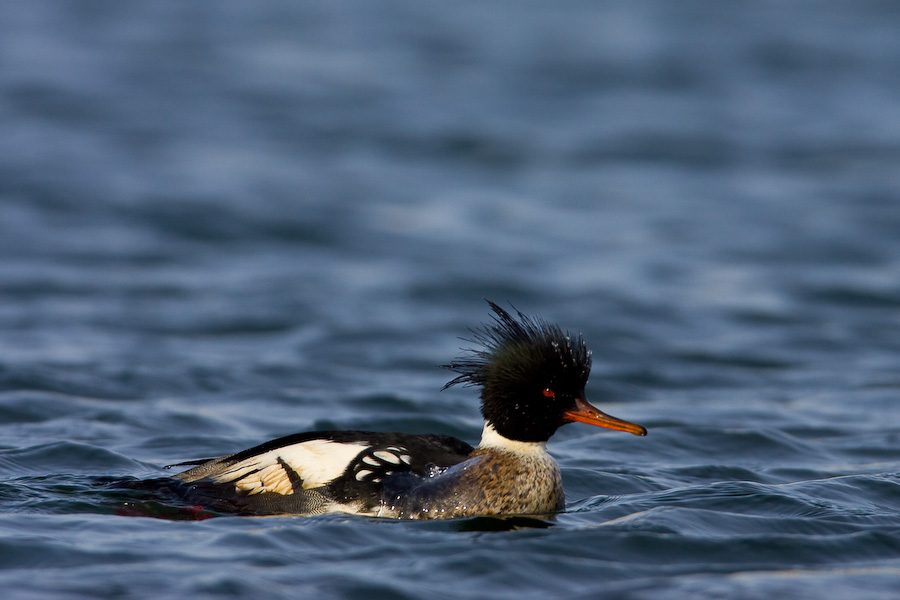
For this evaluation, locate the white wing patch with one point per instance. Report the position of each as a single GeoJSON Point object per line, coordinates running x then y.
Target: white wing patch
{"type": "Point", "coordinates": [316, 462]}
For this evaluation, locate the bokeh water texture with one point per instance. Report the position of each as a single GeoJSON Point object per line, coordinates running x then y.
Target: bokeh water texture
{"type": "Point", "coordinates": [225, 222]}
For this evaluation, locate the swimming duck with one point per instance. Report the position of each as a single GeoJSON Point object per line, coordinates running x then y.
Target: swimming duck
{"type": "Point", "coordinates": [532, 377]}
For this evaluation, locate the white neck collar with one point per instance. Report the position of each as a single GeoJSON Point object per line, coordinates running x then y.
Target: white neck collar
{"type": "Point", "coordinates": [491, 439]}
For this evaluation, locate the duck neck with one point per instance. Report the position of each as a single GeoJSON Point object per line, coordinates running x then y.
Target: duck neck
{"type": "Point", "coordinates": [491, 440]}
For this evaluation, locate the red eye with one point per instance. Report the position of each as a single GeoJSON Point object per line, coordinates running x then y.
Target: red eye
{"type": "Point", "coordinates": [549, 393]}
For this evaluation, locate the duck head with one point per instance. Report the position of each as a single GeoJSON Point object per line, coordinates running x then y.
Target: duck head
{"type": "Point", "coordinates": [532, 377]}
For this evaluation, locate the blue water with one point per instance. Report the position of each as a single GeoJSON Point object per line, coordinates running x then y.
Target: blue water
{"type": "Point", "coordinates": [225, 222]}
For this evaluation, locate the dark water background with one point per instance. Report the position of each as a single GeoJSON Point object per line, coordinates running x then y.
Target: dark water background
{"type": "Point", "coordinates": [222, 222]}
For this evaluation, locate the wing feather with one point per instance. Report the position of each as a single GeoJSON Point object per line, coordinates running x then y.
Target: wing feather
{"type": "Point", "coordinates": [315, 462]}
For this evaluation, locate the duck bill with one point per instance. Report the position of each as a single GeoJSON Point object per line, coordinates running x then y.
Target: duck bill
{"type": "Point", "coordinates": [585, 412]}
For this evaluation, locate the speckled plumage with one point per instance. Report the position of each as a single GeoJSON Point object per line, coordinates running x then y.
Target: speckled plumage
{"type": "Point", "coordinates": [490, 481]}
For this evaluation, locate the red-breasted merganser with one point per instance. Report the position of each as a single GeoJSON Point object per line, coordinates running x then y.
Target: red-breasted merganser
{"type": "Point", "coordinates": [532, 378]}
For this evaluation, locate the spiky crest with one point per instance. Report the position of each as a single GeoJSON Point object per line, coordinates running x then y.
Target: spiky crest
{"type": "Point", "coordinates": [528, 339]}
{"type": "Point", "coordinates": [529, 372]}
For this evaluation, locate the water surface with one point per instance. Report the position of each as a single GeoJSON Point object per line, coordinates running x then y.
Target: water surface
{"type": "Point", "coordinates": [224, 223]}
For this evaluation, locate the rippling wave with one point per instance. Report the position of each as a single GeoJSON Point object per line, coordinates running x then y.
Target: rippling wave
{"type": "Point", "coordinates": [223, 225]}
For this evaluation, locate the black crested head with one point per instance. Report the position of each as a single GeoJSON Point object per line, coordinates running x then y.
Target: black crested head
{"type": "Point", "coordinates": [530, 373]}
